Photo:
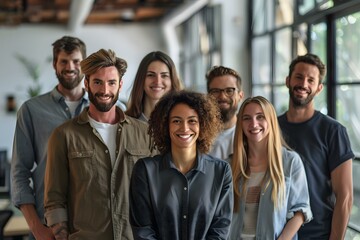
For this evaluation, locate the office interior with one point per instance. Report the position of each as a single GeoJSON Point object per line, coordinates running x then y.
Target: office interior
{"type": "Point", "coordinates": [258, 38]}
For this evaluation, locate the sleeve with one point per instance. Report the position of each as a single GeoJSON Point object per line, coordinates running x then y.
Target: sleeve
{"type": "Point", "coordinates": [56, 180]}
{"type": "Point", "coordinates": [220, 224]}
{"type": "Point", "coordinates": [23, 159]}
{"type": "Point", "coordinates": [339, 147]}
{"type": "Point", "coordinates": [299, 199]}
{"type": "Point", "coordinates": [141, 215]}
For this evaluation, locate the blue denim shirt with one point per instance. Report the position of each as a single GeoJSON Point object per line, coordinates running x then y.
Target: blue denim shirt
{"type": "Point", "coordinates": [270, 221]}
{"type": "Point", "coordinates": [36, 119]}
{"type": "Point", "coordinates": [165, 204]}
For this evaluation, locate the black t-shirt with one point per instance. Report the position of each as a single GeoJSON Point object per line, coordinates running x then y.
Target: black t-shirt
{"type": "Point", "coordinates": [323, 144]}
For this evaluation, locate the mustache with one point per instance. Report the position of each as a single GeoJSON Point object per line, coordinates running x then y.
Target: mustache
{"type": "Point", "coordinates": [104, 95]}
{"type": "Point", "coordinates": [70, 71]}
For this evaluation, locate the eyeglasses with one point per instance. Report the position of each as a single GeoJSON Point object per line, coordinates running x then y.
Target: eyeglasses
{"type": "Point", "coordinates": [229, 92]}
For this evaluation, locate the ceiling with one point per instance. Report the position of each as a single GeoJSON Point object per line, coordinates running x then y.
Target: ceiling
{"type": "Point", "coordinates": [67, 12]}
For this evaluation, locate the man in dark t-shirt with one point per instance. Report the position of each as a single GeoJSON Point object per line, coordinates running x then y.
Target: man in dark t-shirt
{"type": "Point", "coordinates": [324, 147]}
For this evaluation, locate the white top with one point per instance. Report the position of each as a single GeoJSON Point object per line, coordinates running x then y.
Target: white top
{"type": "Point", "coordinates": [223, 145]}
{"type": "Point", "coordinates": [107, 132]}
{"type": "Point", "coordinates": [72, 105]}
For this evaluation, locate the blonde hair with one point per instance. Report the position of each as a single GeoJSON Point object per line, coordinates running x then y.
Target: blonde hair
{"type": "Point", "coordinates": [239, 163]}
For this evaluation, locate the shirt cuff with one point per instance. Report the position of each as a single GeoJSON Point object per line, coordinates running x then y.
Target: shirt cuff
{"type": "Point", "coordinates": [55, 216]}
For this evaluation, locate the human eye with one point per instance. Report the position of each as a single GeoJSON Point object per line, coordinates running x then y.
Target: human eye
{"type": "Point", "coordinates": [261, 116]}
{"type": "Point", "coordinates": [245, 117]}
{"type": "Point", "coordinates": [229, 90]}
{"type": "Point", "coordinates": [150, 74]}
{"type": "Point", "coordinates": [193, 121]}
{"type": "Point", "coordinates": [97, 82]}
{"type": "Point", "coordinates": [112, 83]}
{"type": "Point", "coordinates": [175, 121]}
{"type": "Point", "coordinates": [165, 75]}
{"type": "Point", "coordinates": [214, 91]}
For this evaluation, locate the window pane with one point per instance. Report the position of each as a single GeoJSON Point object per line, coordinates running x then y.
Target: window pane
{"type": "Point", "coordinates": [284, 12]}
{"type": "Point", "coordinates": [348, 48]}
{"type": "Point", "coordinates": [261, 66]}
{"type": "Point", "coordinates": [348, 113]}
{"type": "Point", "coordinates": [305, 6]}
{"type": "Point", "coordinates": [318, 40]}
{"type": "Point", "coordinates": [301, 39]}
{"type": "Point", "coordinates": [264, 91]}
{"type": "Point", "coordinates": [281, 99]}
{"type": "Point", "coordinates": [282, 54]}
{"type": "Point", "coordinates": [262, 16]}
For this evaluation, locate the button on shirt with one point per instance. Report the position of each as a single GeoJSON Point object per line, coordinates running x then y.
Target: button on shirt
{"type": "Point", "coordinates": [165, 204]}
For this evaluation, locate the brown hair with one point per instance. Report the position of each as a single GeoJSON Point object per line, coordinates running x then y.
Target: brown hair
{"type": "Point", "coordinates": [100, 59]}
{"type": "Point", "coordinates": [218, 71]}
{"type": "Point", "coordinates": [206, 108]}
{"type": "Point", "coordinates": [68, 44]}
{"type": "Point", "coordinates": [309, 59]}
{"type": "Point", "coordinates": [137, 95]}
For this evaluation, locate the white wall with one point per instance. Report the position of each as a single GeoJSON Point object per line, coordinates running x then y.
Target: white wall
{"type": "Point", "coordinates": [129, 41]}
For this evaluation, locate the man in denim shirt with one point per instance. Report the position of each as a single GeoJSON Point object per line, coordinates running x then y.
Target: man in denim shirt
{"type": "Point", "coordinates": [36, 120]}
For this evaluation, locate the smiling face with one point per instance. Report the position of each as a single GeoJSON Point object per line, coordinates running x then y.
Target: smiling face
{"type": "Point", "coordinates": [254, 123]}
{"type": "Point", "coordinates": [68, 70]}
{"type": "Point", "coordinates": [103, 88]}
{"type": "Point", "coordinates": [228, 104]}
{"type": "Point", "coordinates": [304, 84]}
{"type": "Point", "coordinates": [183, 127]}
{"type": "Point", "coordinates": [157, 81]}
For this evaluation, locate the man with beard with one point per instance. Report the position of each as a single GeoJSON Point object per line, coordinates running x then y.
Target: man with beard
{"type": "Point", "coordinates": [90, 159]}
{"type": "Point", "coordinates": [36, 119]}
{"type": "Point", "coordinates": [224, 84]}
{"type": "Point", "coordinates": [324, 146]}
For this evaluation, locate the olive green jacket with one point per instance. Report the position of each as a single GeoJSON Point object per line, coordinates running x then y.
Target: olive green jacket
{"type": "Point", "coordinates": [82, 187]}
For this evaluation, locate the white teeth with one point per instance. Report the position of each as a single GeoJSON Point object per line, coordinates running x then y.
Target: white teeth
{"type": "Point", "coordinates": [184, 136]}
{"type": "Point", "coordinates": [255, 131]}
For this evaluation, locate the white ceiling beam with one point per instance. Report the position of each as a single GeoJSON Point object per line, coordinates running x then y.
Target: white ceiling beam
{"type": "Point", "coordinates": [79, 11]}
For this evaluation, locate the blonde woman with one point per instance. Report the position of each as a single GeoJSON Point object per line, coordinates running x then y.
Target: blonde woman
{"type": "Point", "coordinates": [271, 198]}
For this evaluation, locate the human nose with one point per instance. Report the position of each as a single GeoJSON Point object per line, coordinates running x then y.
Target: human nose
{"type": "Point", "coordinates": [184, 126]}
{"type": "Point", "coordinates": [70, 65]}
{"type": "Point", "coordinates": [157, 79]}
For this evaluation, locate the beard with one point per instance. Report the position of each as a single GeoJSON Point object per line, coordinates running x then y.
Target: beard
{"type": "Point", "coordinates": [227, 114]}
{"type": "Point", "coordinates": [72, 83]}
{"type": "Point", "coordinates": [102, 107]}
{"type": "Point", "coordinates": [299, 102]}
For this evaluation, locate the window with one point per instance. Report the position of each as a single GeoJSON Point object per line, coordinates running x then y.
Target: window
{"type": "Point", "coordinates": [281, 30]}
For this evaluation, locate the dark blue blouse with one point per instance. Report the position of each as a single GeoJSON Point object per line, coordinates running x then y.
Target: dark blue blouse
{"type": "Point", "coordinates": [165, 204]}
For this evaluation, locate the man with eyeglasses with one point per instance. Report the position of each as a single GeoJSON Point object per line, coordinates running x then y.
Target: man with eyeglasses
{"type": "Point", "coordinates": [225, 85]}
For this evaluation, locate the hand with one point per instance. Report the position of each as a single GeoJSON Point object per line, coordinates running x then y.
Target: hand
{"type": "Point", "coordinates": [60, 230]}
{"type": "Point", "coordinates": [42, 232]}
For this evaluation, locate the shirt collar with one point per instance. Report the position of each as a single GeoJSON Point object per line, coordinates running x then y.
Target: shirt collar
{"type": "Point", "coordinates": [199, 164]}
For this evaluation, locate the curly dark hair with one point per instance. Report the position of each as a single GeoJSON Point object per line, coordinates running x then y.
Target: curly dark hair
{"type": "Point", "coordinates": [204, 105]}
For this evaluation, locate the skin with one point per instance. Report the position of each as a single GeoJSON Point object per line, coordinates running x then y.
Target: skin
{"type": "Point", "coordinates": [104, 85]}
{"type": "Point", "coordinates": [184, 131]}
{"type": "Point", "coordinates": [226, 103]}
{"type": "Point", "coordinates": [68, 71]}
{"type": "Point", "coordinates": [157, 83]}
{"type": "Point", "coordinates": [256, 130]}
{"type": "Point", "coordinates": [303, 84]}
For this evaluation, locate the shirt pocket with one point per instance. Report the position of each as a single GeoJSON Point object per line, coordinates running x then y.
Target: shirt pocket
{"type": "Point", "coordinates": [136, 154]}
{"type": "Point", "coordinates": [81, 164]}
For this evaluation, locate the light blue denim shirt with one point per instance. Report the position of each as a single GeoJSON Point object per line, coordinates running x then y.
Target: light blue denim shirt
{"type": "Point", "coordinates": [36, 119]}
{"type": "Point", "coordinates": [270, 221]}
